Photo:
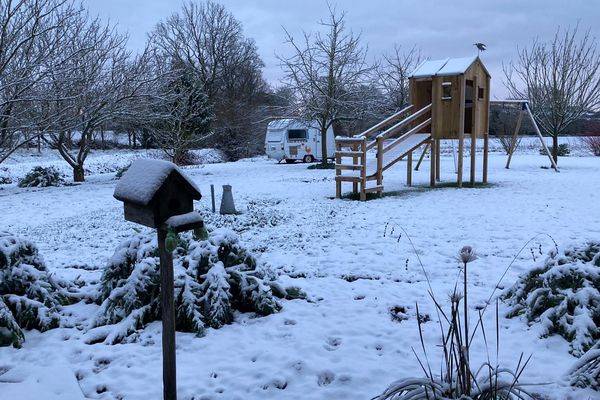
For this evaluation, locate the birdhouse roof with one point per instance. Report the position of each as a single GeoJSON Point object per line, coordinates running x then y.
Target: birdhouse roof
{"type": "Point", "coordinates": [446, 66]}
{"type": "Point", "coordinates": [145, 177]}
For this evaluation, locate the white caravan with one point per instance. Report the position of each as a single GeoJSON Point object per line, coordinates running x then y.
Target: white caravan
{"type": "Point", "coordinates": [294, 139]}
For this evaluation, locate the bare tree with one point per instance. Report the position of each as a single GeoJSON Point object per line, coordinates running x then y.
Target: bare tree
{"type": "Point", "coordinates": [93, 85]}
{"type": "Point", "coordinates": [561, 79]}
{"type": "Point", "coordinates": [392, 76]}
{"type": "Point", "coordinates": [29, 41]}
{"type": "Point", "coordinates": [327, 74]}
{"type": "Point", "coordinates": [209, 40]}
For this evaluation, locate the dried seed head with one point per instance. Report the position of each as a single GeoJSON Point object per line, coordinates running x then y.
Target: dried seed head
{"type": "Point", "coordinates": [467, 254]}
{"type": "Point", "coordinates": [456, 297]}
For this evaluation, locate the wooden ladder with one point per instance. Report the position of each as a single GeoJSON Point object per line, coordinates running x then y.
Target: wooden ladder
{"type": "Point", "coordinates": [355, 149]}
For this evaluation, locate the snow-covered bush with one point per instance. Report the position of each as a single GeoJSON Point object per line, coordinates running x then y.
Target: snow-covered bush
{"type": "Point", "coordinates": [213, 278]}
{"type": "Point", "coordinates": [563, 295]}
{"type": "Point", "coordinates": [5, 178]}
{"type": "Point", "coordinates": [258, 214]}
{"type": "Point", "coordinates": [42, 177]}
{"type": "Point", "coordinates": [563, 150]}
{"type": "Point", "coordinates": [591, 144]}
{"type": "Point", "coordinates": [30, 297]}
{"type": "Point", "coordinates": [586, 371]}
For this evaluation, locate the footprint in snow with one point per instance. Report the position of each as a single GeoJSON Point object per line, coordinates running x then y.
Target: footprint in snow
{"type": "Point", "coordinates": [332, 343]}
{"type": "Point", "coordinates": [325, 378]}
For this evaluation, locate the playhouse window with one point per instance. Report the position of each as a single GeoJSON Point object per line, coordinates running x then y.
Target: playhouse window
{"type": "Point", "coordinates": [480, 93]}
{"type": "Point", "coordinates": [297, 134]}
{"type": "Point", "coordinates": [446, 90]}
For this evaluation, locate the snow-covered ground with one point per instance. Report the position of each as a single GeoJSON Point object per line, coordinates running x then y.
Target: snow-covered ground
{"type": "Point", "coordinates": [343, 342]}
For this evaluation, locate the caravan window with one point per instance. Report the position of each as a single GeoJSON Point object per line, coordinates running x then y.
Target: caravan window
{"type": "Point", "coordinates": [297, 134]}
{"type": "Point", "coordinates": [274, 136]}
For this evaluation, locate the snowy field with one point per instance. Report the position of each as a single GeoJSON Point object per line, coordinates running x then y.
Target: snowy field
{"type": "Point", "coordinates": [343, 342]}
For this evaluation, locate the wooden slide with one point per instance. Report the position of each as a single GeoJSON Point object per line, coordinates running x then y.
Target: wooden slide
{"type": "Point", "coordinates": [363, 158]}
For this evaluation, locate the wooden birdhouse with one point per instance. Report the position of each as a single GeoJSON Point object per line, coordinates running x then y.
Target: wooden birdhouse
{"type": "Point", "coordinates": [154, 191]}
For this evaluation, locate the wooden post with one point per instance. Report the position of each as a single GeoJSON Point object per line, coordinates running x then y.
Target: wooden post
{"type": "Point", "coordinates": [363, 170]}
{"type": "Point", "coordinates": [486, 139]}
{"type": "Point", "coordinates": [473, 153]}
{"type": "Point", "coordinates": [515, 135]}
{"type": "Point", "coordinates": [437, 159]}
{"type": "Point", "coordinates": [422, 156]}
{"type": "Point", "coordinates": [167, 305]}
{"type": "Point", "coordinates": [461, 132]}
{"type": "Point", "coordinates": [354, 162]}
{"type": "Point", "coordinates": [338, 160]}
{"type": "Point", "coordinates": [537, 130]}
{"type": "Point", "coordinates": [409, 169]}
{"type": "Point", "coordinates": [379, 163]}
{"type": "Point", "coordinates": [212, 196]}
{"type": "Point", "coordinates": [474, 129]}
{"type": "Point", "coordinates": [433, 157]}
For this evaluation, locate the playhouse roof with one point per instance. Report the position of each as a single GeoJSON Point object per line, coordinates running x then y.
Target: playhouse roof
{"type": "Point", "coordinates": [145, 177]}
{"type": "Point", "coordinates": [446, 66]}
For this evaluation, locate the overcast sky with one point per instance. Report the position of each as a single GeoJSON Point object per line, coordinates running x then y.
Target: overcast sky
{"type": "Point", "coordinates": [444, 28]}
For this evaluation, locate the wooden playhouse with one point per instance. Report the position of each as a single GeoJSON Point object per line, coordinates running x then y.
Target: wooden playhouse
{"type": "Point", "coordinates": [449, 99]}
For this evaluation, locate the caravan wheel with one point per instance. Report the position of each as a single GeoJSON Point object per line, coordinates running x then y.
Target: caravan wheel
{"type": "Point", "coordinates": [308, 159]}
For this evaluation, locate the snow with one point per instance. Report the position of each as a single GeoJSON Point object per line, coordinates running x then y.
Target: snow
{"type": "Point", "coordinates": [342, 343]}
{"type": "Point", "coordinates": [456, 66]}
{"type": "Point", "coordinates": [446, 66]}
{"type": "Point", "coordinates": [428, 68]}
{"type": "Point", "coordinates": [192, 217]}
{"type": "Point", "coordinates": [143, 178]}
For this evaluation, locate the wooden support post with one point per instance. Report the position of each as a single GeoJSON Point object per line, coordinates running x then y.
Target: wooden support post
{"type": "Point", "coordinates": [433, 157]}
{"type": "Point", "coordinates": [338, 160]}
{"type": "Point", "coordinates": [473, 154]}
{"type": "Point", "coordinates": [363, 170]}
{"type": "Point", "coordinates": [461, 132]}
{"type": "Point", "coordinates": [437, 159]}
{"type": "Point", "coordinates": [354, 162]}
{"type": "Point", "coordinates": [537, 130]}
{"type": "Point", "coordinates": [474, 130]}
{"type": "Point", "coordinates": [409, 169]}
{"type": "Point", "coordinates": [212, 197]}
{"type": "Point", "coordinates": [167, 305]}
{"type": "Point", "coordinates": [486, 139]}
{"type": "Point", "coordinates": [515, 135]}
{"type": "Point", "coordinates": [427, 145]}
{"type": "Point", "coordinates": [379, 163]}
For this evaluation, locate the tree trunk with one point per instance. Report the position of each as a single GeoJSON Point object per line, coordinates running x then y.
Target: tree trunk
{"type": "Point", "coordinates": [323, 145]}
{"type": "Point", "coordinates": [555, 147]}
{"type": "Point", "coordinates": [78, 174]}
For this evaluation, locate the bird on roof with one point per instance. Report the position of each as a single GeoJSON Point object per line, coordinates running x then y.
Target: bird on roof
{"type": "Point", "coordinates": [480, 47]}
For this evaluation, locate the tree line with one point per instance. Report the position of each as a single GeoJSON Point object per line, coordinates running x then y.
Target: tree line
{"type": "Point", "coordinates": [66, 76]}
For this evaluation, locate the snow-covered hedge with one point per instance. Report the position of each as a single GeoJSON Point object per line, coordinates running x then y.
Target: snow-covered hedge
{"type": "Point", "coordinates": [213, 278]}
{"type": "Point", "coordinates": [42, 177]}
{"type": "Point", "coordinates": [30, 297]}
{"type": "Point", "coordinates": [563, 295]}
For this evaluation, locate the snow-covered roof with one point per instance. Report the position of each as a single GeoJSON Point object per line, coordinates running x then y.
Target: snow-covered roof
{"type": "Point", "coordinates": [446, 66]}
{"type": "Point", "coordinates": [290, 123]}
{"type": "Point", "coordinates": [144, 178]}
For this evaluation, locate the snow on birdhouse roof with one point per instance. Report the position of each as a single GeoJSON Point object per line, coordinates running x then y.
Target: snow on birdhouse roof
{"type": "Point", "coordinates": [144, 178]}
{"type": "Point", "coordinates": [446, 66]}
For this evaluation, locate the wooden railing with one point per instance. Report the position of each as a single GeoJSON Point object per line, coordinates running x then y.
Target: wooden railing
{"type": "Point", "coordinates": [375, 128]}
